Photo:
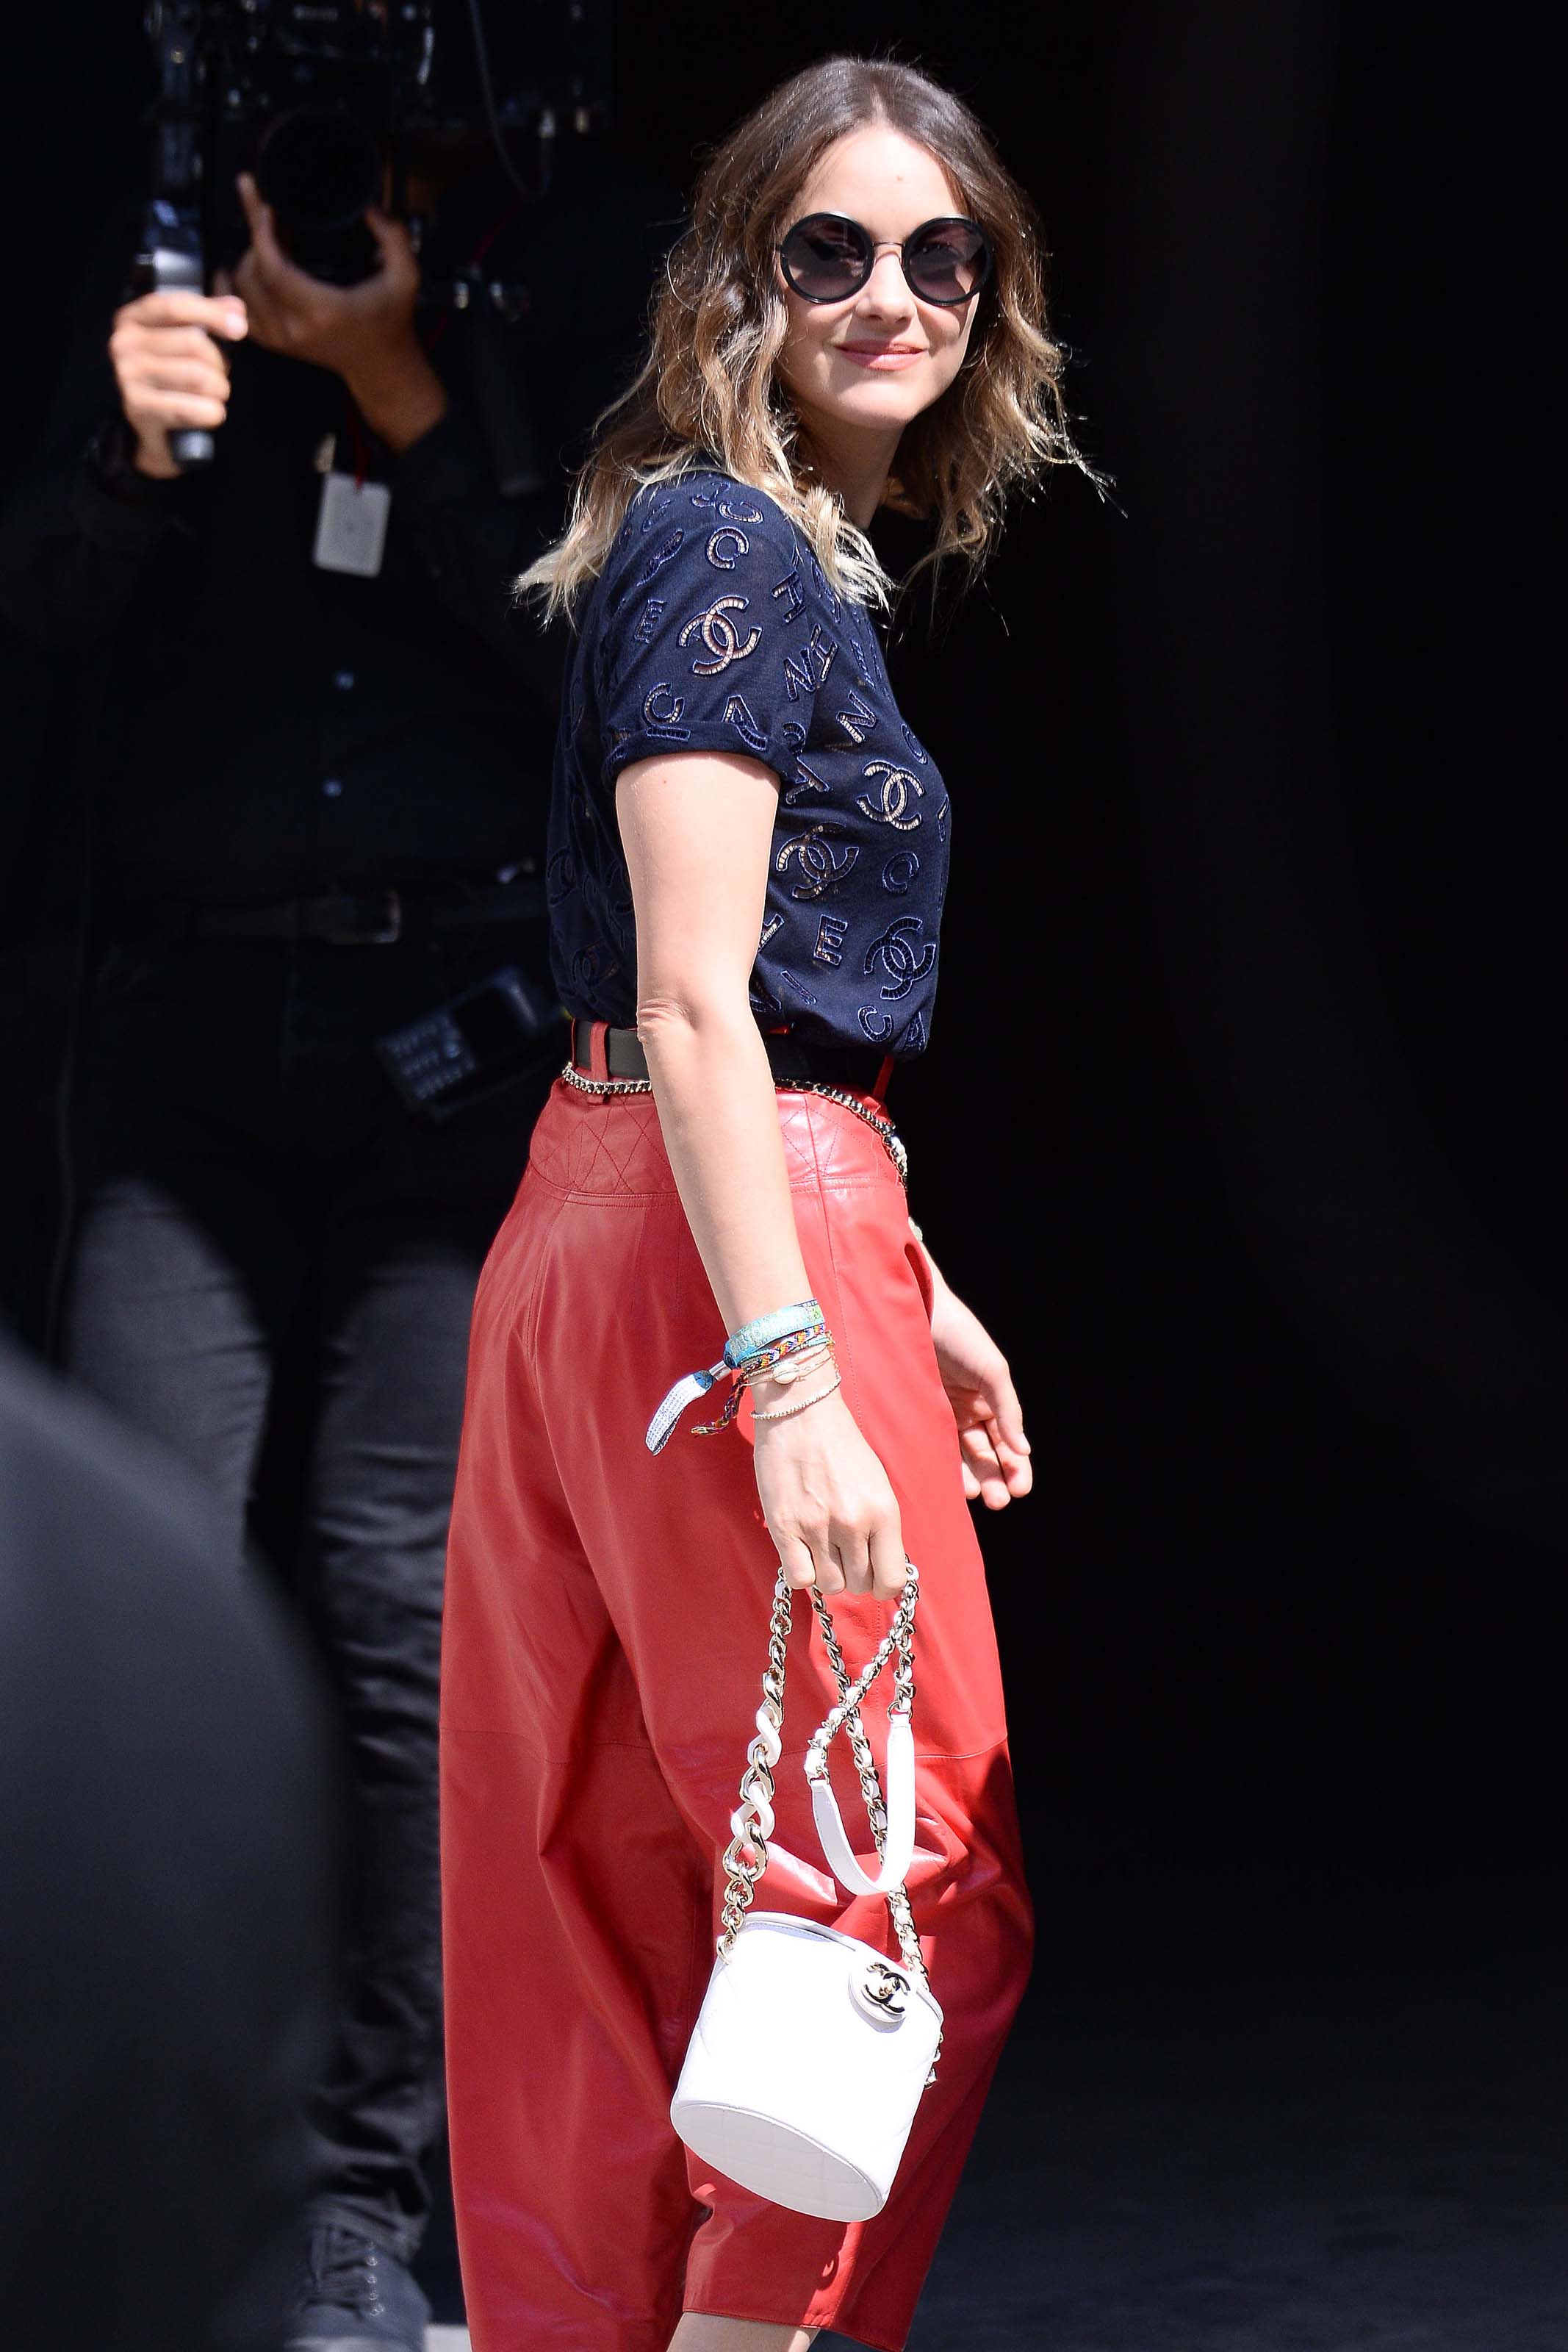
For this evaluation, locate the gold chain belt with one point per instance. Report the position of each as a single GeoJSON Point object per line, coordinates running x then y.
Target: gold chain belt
{"type": "Point", "coordinates": [884, 1128]}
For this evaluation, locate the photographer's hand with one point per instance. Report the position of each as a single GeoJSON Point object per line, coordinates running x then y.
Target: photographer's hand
{"type": "Point", "coordinates": [364, 333]}
{"type": "Point", "coordinates": [170, 372]}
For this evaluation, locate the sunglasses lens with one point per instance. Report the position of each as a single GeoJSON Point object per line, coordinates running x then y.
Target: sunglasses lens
{"type": "Point", "coordinates": [947, 262]}
{"type": "Point", "coordinates": [825, 258]}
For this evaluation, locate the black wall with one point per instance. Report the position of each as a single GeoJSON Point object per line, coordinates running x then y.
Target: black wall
{"type": "Point", "coordinates": [1241, 1119]}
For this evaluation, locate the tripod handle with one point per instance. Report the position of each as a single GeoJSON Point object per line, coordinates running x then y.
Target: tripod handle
{"type": "Point", "coordinates": [172, 259]}
{"type": "Point", "coordinates": [192, 446]}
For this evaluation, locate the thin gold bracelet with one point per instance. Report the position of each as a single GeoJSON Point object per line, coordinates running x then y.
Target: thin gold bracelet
{"type": "Point", "coordinates": [787, 1412]}
{"type": "Point", "coordinates": [803, 1367]}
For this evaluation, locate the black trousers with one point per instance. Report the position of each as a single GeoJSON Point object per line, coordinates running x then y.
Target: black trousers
{"type": "Point", "coordinates": [248, 1186]}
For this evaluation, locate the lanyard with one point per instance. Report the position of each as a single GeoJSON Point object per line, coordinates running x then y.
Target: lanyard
{"type": "Point", "coordinates": [358, 445]}
{"type": "Point", "coordinates": [357, 441]}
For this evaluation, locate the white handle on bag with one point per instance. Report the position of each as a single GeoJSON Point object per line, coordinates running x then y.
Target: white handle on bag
{"type": "Point", "coordinates": [897, 1842]}
{"type": "Point", "coordinates": [898, 1852]}
{"type": "Point", "coordinates": [892, 1818]}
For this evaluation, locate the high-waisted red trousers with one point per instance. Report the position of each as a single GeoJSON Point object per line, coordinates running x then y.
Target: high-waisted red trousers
{"type": "Point", "coordinates": [606, 1631]}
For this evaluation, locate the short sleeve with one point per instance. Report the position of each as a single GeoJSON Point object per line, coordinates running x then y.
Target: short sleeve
{"type": "Point", "coordinates": [705, 648]}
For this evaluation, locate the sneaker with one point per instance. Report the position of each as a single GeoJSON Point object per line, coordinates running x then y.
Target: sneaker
{"type": "Point", "coordinates": [353, 2296]}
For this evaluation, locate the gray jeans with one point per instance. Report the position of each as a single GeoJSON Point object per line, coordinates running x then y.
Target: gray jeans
{"type": "Point", "coordinates": [249, 1192]}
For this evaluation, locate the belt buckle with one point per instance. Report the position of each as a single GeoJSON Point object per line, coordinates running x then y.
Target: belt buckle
{"type": "Point", "coordinates": [374, 920]}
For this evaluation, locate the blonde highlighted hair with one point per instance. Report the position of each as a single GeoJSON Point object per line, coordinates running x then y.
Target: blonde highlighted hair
{"type": "Point", "coordinates": [710, 391]}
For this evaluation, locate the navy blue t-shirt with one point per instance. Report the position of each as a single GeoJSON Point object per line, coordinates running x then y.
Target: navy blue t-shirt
{"type": "Point", "coordinates": [713, 628]}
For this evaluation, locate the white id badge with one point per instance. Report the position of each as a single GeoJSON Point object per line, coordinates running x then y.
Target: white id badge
{"type": "Point", "coordinates": [351, 525]}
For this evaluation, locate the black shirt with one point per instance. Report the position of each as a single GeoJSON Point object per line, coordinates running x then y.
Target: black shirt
{"type": "Point", "coordinates": [278, 729]}
{"type": "Point", "coordinates": [712, 628]}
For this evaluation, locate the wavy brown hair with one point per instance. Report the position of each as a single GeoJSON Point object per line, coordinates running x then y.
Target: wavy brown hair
{"type": "Point", "coordinates": [710, 389]}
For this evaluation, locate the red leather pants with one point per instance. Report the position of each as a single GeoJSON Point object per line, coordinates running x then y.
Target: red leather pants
{"type": "Point", "coordinates": [606, 1630]}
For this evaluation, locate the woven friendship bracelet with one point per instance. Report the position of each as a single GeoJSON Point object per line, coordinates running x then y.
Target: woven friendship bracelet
{"type": "Point", "coordinates": [750, 1352]}
{"type": "Point", "coordinates": [797, 1368]}
{"type": "Point", "coordinates": [782, 1324]}
{"type": "Point", "coordinates": [757, 1366]}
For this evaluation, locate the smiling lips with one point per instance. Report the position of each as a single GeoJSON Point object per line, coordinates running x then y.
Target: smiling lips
{"type": "Point", "coordinates": [883, 356]}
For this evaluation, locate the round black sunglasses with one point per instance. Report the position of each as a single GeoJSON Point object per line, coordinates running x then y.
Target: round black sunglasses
{"type": "Point", "coordinates": [826, 259]}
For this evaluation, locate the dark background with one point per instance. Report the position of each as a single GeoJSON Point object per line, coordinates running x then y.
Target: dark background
{"type": "Point", "coordinates": [1241, 1123]}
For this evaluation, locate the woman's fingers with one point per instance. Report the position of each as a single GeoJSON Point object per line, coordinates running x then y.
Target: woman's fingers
{"type": "Point", "coordinates": [889, 1564]}
{"type": "Point", "coordinates": [994, 1474]}
{"type": "Point", "coordinates": [1007, 1415]}
{"type": "Point", "coordinates": [845, 1560]}
{"type": "Point", "coordinates": [809, 1558]}
{"type": "Point", "coordinates": [1018, 1470]}
{"type": "Point", "coordinates": [795, 1559]}
{"type": "Point", "coordinates": [829, 1575]}
{"type": "Point", "coordinates": [1011, 1450]}
{"type": "Point", "coordinates": [854, 1557]}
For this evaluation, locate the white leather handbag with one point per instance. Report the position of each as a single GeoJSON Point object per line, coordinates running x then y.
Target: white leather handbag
{"type": "Point", "coordinates": [808, 2062]}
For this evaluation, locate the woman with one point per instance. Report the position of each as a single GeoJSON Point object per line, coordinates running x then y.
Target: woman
{"type": "Point", "coordinates": [855, 315]}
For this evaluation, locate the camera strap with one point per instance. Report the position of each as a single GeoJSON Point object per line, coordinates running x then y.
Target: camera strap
{"type": "Point", "coordinates": [352, 516]}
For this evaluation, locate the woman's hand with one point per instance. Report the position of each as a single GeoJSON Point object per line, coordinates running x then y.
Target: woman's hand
{"type": "Point", "coordinates": [984, 1403]}
{"type": "Point", "coordinates": [826, 1500]}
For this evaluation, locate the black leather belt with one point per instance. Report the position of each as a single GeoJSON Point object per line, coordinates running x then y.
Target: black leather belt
{"type": "Point", "coordinates": [349, 918]}
{"type": "Point", "coordinates": [855, 1067]}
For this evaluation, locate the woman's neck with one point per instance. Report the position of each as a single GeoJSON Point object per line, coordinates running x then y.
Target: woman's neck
{"type": "Point", "coordinates": [853, 465]}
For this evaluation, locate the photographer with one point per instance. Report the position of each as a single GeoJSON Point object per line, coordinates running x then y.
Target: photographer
{"type": "Point", "coordinates": [305, 810]}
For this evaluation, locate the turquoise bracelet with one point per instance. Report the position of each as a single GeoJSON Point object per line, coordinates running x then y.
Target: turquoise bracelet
{"type": "Point", "coordinates": [746, 1350]}
{"type": "Point", "coordinates": [753, 1337]}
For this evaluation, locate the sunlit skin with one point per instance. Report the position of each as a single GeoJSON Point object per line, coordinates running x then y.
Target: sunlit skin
{"type": "Point", "coordinates": [860, 370]}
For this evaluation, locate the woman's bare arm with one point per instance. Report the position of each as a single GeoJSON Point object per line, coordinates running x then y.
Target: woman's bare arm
{"type": "Point", "coordinates": [697, 829]}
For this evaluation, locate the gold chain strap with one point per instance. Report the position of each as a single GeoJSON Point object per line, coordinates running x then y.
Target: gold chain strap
{"type": "Point", "coordinates": [585, 1086]}
{"type": "Point", "coordinates": [884, 1128]}
{"type": "Point", "coordinates": [746, 1857]}
{"type": "Point", "coordinates": [848, 1712]}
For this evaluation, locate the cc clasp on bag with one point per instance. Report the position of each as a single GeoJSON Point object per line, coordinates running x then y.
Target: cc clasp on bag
{"type": "Point", "coordinates": [804, 2073]}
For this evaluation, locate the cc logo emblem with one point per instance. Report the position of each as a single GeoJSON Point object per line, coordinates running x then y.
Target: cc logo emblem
{"type": "Point", "coordinates": [882, 1991]}
{"type": "Point", "coordinates": [897, 783]}
{"type": "Point", "coordinates": [720, 637]}
{"type": "Point", "coordinates": [903, 954]}
{"type": "Point", "coordinates": [818, 860]}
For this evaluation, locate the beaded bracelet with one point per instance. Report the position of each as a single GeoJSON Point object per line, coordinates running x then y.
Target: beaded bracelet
{"type": "Point", "coordinates": [762, 1366]}
{"type": "Point", "coordinates": [796, 1368]}
{"type": "Point", "coordinates": [753, 1352]}
{"type": "Point", "coordinates": [787, 1412]}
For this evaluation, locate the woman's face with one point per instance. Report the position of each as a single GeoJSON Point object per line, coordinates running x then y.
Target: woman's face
{"type": "Point", "coordinates": [880, 357]}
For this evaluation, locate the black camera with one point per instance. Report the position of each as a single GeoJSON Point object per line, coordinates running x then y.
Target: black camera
{"type": "Point", "coordinates": [488, 1037]}
{"type": "Point", "coordinates": [327, 101]}
{"type": "Point", "coordinates": [319, 166]}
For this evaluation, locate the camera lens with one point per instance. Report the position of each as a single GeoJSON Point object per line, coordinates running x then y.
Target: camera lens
{"type": "Point", "coordinates": [319, 167]}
